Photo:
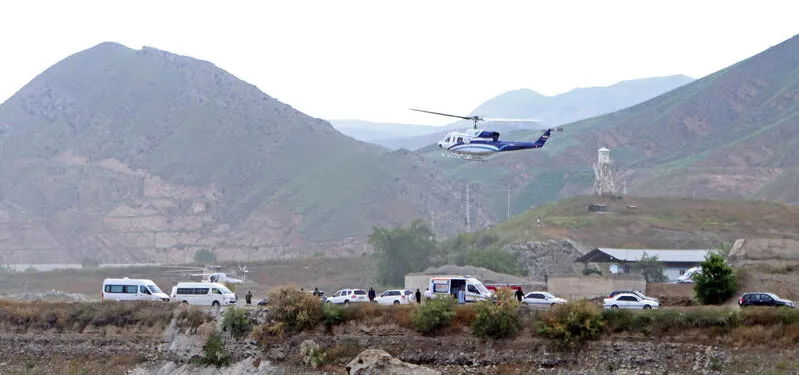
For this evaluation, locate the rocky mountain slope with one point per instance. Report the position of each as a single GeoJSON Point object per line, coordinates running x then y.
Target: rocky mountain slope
{"type": "Point", "coordinates": [730, 135]}
{"type": "Point", "coordinates": [377, 132]}
{"type": "Point", "coordinates": [132, 155]}
{"type": "Point", "coordinates": [577, 104]}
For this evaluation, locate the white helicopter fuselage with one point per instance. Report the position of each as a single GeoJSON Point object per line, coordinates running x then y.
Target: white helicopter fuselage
{"type": "Point", "coordinates": [473, 143]}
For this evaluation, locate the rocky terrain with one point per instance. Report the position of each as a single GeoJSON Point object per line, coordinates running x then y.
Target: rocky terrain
{"type": "Point", "coordinates": [150, 345]}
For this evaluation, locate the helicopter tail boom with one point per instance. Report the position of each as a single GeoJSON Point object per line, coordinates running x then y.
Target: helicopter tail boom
{"type": "Point", "coordinates": [543, 139]}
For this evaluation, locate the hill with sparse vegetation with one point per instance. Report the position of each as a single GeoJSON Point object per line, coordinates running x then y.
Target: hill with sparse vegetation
{"type": "Point", "coordinates": [652, 222]}
{"type": "Point", "coordinates": [730, 135]}
{"type": "Point", "coordinates": [139, 155]}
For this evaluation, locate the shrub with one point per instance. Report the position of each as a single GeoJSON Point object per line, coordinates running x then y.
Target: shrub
{"type": "Point", "coordinates": [499, 320]}
{"type": "Point", "coordinates": [296, 309]}
{"type": "Point", "coordinates": [333, 315]}
{"type": "Point", "coordinates": [569, 325]}
{"type": "Point", "coordinates": [311, 353]}
{"type": "Point", "coordinates": [236, 322]}
{"type": "Point", "coordinates": [214, 351]}
{"type": "Point", "coordinates": [716, 283]}
{"type": "Point", "coordinates": [434, 314]}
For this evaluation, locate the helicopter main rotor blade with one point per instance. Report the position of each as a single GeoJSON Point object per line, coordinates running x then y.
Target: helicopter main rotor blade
{"type": "Point", "coordinates": [443, 114]}
{"type": "Point", "coordinates": [512, 119]}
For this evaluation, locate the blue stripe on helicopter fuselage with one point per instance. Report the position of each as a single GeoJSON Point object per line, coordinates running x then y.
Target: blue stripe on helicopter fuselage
{"type": "Point", "coordinates": [494, 146]}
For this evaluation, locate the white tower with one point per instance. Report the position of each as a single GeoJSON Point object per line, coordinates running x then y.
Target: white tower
{"type": "Point", "coordinates": [603, 180]}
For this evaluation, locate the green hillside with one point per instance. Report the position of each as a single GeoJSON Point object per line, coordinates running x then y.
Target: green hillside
{"type": "Point", "coordinates": [195, 157]}
{"type": "Point", "coordinates": [660, 222]}
{"type": "Point", "coordinates": [730, 135]}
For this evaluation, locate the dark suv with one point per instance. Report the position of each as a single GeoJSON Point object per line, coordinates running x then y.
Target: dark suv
{"type": "Point", "coordinates": [763, 299]}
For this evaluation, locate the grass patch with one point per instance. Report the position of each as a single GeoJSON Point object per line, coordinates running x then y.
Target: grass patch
{"type": "Point", "coordinates": [21, 316]}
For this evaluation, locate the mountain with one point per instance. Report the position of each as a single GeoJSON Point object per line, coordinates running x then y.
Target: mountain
{"type": "Point", "coordinates": [555, 110]}
{"type": "Point", "coordinates": [143, 155]}
{"type": "Point", "coordinates": [730, 135]}
{"type": "Point", "coordinates": [378, 132]}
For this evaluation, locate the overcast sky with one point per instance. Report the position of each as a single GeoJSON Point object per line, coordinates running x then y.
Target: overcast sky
{"type": "Point", "coordinates": [373, 60]}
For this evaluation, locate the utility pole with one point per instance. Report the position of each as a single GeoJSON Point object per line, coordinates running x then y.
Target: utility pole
{"type": "Point", "coordinates": [508, 201]}
{"type": "Point", "coordinates": [468, 203]}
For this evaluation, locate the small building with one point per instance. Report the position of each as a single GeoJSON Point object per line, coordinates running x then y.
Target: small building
{"type": "Point", "coordinates": [675, 262]}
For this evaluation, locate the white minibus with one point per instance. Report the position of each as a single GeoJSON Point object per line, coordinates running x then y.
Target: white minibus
{"type": "Point", "coordinates": [204, 294]}
{"type": "Point", "coordinates": [126, 289]}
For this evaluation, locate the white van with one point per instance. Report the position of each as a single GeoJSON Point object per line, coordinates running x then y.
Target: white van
{"type": "Point", "coordinates": [205, 294]}
{"type": "Point", "coordinates": [444, 285]}
{"type": "Point", "coordinates": [126, 289]}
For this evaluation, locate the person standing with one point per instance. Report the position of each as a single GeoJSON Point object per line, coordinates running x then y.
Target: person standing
{"type": "Point", "coordinates": [418, 296]}
{"type": "Point", "coordinates": [371, 295]}
{"type": "Point", "coordinates": [519, 294]}
{"type": "Point", "coordinates": [248, 297]}
{"type": "Point", "coordinates": [461, 296]}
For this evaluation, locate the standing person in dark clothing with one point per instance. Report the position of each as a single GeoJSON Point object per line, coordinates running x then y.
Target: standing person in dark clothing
{"type": "Point", "coordinates": [248, 297]}
{"type": "Point", "coordinates": [519, 294]}
{"type": "Point", "coordinates": [418, 296]}
{"type": "Point", "coordinates": [371, 295]}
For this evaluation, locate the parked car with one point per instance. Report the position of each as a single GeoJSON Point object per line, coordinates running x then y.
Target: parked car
{"type": "Point", "coordinates": [630, 301]}
{"type": "Point", "coordinates": [636, 292]}
{"type": "Point", "coordinates": [541, 299]}
{"type": "Point", "coordinates": [347, 296]}
{"type": "Point", "coordinates": [763, 299]}
{"type": "Point", "coordinates": [395, 297]}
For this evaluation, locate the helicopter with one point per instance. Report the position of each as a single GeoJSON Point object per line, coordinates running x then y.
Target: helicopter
{"type": "Point", "coordinates": [210, 273]}
{"type": "Point", "coordinates": [478, 144]}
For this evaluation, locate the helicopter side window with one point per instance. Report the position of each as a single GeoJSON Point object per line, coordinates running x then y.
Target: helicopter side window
{"type": "Point", "coordinates": [460, 140]}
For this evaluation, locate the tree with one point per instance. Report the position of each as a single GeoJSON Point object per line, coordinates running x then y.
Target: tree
{"type": "Point", "coordinates": [651, 268]}
{"type": "Point", "coordinates": [716, 283]}
{"type": "Point", "coordinates": [204, 255]}
{"type": "Point", "coordinates": [402, 250]}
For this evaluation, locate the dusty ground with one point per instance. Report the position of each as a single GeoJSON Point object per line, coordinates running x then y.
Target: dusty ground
{"type": "Point", "coordinates": [328, 274]}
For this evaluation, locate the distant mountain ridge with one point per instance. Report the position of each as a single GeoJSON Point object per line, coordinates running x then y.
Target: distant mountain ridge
{"type": "Point", "coordinates": [375, 132]}
{"type": "Point", "coordinates": [577, 104]}
{"type": "Point", "coordinates": [141, 155]}
{"type": "Point", "coordinates": [730, 135]}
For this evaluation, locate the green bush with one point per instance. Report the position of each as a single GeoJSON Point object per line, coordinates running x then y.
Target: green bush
{"type": "Point", "coordinates": [497, 320]}
{"type": "Point", "coordinates": [434, 314]}
{"type": "Point", "coordinates": [716, 283]}
{"type": "Point", "coordinates": [215, 353]}
{"type": "Point", "coordinates": [297, 310]}
{"type": "Point", "coordinates": [333, 314]}
{"type": "Point", "coordinates": [236, 322]}
{"type": "Point", "coordinates": [569, 325]}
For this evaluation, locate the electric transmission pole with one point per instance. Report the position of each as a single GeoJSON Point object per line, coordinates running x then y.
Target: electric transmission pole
{"type": "Point", "coordinates": [508, 201]}
{"type": "Point", "coordinates": [468, 203]}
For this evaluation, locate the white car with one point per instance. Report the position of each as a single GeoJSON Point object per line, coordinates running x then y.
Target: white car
{"type": "Point", "coordinates": [347, 296]}
{"type": "Point", "coordinates": [541, 299]}
{"type": "Point", "coordinates": [395, 297]}
{"type": "Point", "coordinates": [630, 301]}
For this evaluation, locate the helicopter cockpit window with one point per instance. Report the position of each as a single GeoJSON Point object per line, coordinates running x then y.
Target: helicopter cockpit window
{"type": "Point", "coordinates": [460, 140]}
{"type": "Point", "coordinates": [446, 140]}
